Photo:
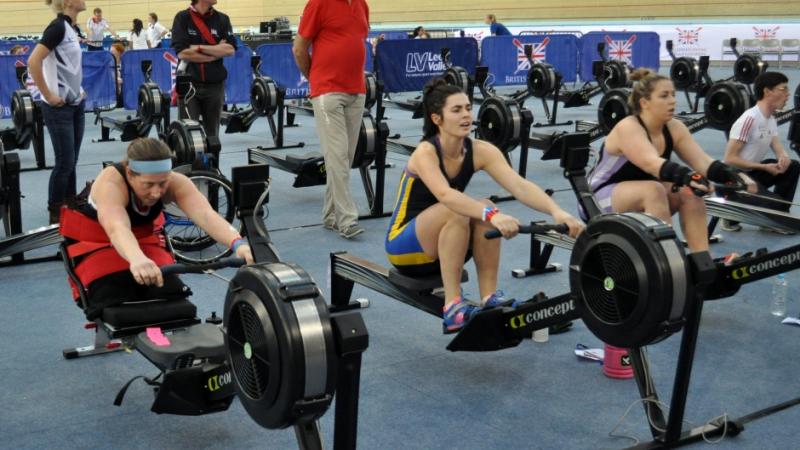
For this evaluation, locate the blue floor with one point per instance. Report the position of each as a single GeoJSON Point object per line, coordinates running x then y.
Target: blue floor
{"type": "Point", "coordinates": [414, 393]}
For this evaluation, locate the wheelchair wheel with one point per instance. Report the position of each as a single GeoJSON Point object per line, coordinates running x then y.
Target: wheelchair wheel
{"type": "Point", "coordinates": [191, 244]}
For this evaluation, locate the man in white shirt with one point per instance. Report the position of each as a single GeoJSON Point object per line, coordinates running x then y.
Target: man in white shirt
{"type": "Point", "coordinates": [753, 135]}
{"type": "Point", "coordinates": [96, 27]}
{"type": "Point", "coordinates": [155, 31]}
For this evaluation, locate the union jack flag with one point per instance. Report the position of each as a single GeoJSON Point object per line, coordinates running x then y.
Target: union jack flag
{"type": "Point", "coordinates": [766, 33]}
{"type": "Point", "coordinates": [538, 52]}
{"type": "Point", "coordinates": [173, 69]}
{"type": "Point", "coordinates": [689, 36]}
{"type": "Point", "coordinates": [621, 50]}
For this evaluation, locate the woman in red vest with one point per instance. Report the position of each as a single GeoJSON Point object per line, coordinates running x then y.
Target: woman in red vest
{"type": "Point", "coordinates": [116, 234]}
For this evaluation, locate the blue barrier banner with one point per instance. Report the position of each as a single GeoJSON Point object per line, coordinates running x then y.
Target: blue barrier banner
{"type": "Point", "coordinates": [637, 49]}
{"type": "Point", "coordinates": [240, 76]}
{"type": "Point", "coordinates": [508, 65]}
{"type": "Point", "coordinates": [5, 46]}
{"type": "Point", "coordinates": [8, 80]}
{"type": "Point", "coordinates": [277, 62]}
{"type": "Point", "coordinates": [406, 65]}
{"type": "Point", "coordinates": [163, 74]}
{"type": "Point", "coordinates": [99, 79]}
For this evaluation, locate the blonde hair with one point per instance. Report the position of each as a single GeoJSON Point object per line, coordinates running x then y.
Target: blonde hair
{"type": "Point", "coordinates": [644, 81]}
{"type": "Point", "coordinates": [55, 5]}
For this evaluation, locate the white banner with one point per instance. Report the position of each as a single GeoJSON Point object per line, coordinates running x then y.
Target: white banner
{"type": "Point", "coordinates": [688, 40]}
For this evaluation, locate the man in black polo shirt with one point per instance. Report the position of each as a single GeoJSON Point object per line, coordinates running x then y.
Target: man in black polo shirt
{"type": "Point", "coordinates": [202, 36]}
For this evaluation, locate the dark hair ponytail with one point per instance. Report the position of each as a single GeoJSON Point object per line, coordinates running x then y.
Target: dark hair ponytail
{"type": "Point", "coordinates": [137, 26]}
{"type": "Point", "coordinates": [434, 96]}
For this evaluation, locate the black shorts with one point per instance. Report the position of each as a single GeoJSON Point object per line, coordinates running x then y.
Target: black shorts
{"type": "Point", "coordinates": [120, 287]}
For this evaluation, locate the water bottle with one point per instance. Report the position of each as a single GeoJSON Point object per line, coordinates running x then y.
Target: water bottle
{"type": "Point", "coordinates": [541, 336]}
{"type": "Point", "coordinates": [779, 291]}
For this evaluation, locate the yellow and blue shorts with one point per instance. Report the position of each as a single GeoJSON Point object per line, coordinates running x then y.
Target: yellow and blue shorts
{"type": "Point", "coordinates": [405, 252]}
{"type": "Point", "coordinates": [406, 255]}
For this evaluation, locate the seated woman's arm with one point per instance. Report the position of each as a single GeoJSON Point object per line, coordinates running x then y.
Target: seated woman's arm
{"type": "Point", "coordinates": [693, 155]}
{"type": "Point", "coordinates": [197, 208]}
{"type": "Point", "coordinates": [688, 149]}
{"type": "Point", "coordinates": [110, 196]}
{"type": "Point", "coordinates": [631, 139]}
{"type": "Point", "coordinates": [490, 158]}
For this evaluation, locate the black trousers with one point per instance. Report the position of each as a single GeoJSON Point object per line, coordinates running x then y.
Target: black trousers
{"type": "Point", "coordinates": [784, 185]}
{"type": "Point", "coordinates": [205, 106]}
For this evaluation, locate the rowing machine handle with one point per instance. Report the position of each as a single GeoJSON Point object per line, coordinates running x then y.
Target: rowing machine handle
{"type": "Point", "coordinates": [202, 268]}
{"type": "Point", "coordinates": [532, 229]}
{"type": "Point", "coordinates": [730, 187]}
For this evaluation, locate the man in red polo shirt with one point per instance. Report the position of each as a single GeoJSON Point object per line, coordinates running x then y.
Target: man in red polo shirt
{"type": "Point", "coordinates": [336, 29]}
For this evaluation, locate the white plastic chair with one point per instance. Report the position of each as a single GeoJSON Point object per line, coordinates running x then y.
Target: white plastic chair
{"type": "Point", "coordinates": [791, 47]}
{"type": "Point", "coordinates": [751, 46]}
{"type": "Point", "coordinates": [772, 47]}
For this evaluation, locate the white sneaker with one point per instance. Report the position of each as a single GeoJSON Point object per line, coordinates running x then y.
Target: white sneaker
{"type": "Point", "coordinates": [727, 225]}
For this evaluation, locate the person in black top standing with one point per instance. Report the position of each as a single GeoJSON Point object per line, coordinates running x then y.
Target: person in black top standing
{"type": "Point", "coordinates": [201, 37]}
{"type": "Point", "coordinates": [55, 66]}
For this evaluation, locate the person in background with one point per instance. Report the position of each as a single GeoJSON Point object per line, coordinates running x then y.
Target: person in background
{"type": "Point", "coordinates": [202, 36]}
{"type": "Point", "coordinates": [335, 73]}
{"type": "Point", "coordinates": [375, 41]}
{"type": "Point", "coordinates": [96, 27]}
{"type": "Point", "coordinates": [155, 31]}
{"type": "Point", "coordinates": [18, 50]}
{"type": "Point", "coordinates": [138, 38]}
{"type": "Point", "coordinates": [496, 28]}
{"type": "Point", "coordinates": [753, 135]}
{"type": "Point", "coordinates": [55, 66]}
{"type": "Point", "coordinates": [420, 33]}
{"type": "Point", "coordinates": [117, 49]}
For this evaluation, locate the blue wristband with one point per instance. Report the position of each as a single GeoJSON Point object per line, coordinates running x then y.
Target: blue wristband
{"type": "Point", "coordinates": [237, 243]}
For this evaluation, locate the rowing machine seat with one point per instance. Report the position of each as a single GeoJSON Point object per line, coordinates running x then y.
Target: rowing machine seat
{"type": "Point", "coordinates": [137, 314]}
{"type": "Point", "coordinates": [420, 284]}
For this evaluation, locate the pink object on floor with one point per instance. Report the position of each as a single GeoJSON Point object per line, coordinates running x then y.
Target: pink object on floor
{"type": "Point", "coordinates": [617, 363]}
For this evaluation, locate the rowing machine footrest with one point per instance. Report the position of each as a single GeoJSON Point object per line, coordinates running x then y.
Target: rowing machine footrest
{"type": "Point", "coordinates": [419, 284]}
{"type": "Point", "coordinates": [485, 332]}
{"type": "Point", "coordinates": [183, 346]}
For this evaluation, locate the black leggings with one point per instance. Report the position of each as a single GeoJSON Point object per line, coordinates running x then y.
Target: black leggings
{"type": "Point", "coordinates": [785, 184]}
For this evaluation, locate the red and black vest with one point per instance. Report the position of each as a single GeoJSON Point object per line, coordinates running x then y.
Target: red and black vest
{"type": "Point", "coordinates": [90, 247]}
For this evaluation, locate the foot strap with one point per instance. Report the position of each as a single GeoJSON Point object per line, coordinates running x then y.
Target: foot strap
{"type": "Point", "coordinates": [150, 381]}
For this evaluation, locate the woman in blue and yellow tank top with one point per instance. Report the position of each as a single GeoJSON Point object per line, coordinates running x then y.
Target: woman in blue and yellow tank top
{"type": "Point", "coordinates": [435, 225]}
